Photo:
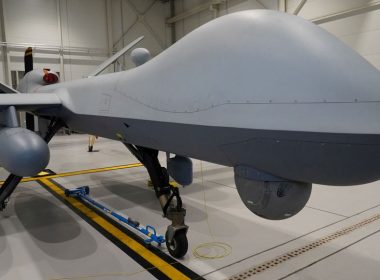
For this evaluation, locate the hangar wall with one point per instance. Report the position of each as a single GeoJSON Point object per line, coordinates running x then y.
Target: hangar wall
{"type": "Point", "coordinates": [89, 30]}
{"type": "Point", "coordinates": [76, 26]}
{"type": "Point", "coordinates": [134, 18]}
{"type": "Point", "coordinates": [361, 32]}
{"type": "Point", "coordinates": [206, 13]}
{"type": "Point", "coordinates": [1, 48]}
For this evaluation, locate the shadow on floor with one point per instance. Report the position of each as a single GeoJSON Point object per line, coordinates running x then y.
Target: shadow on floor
{"type": "Point", "coordinates": [54, 230]}
{"type": "Point", "coordinates": [129, 195]}
{"type": "Point", "coordinates": [6, 256]}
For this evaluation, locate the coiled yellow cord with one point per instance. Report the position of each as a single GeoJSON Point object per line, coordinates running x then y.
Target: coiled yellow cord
{"type": "Point", "coordinates": [220, 249]}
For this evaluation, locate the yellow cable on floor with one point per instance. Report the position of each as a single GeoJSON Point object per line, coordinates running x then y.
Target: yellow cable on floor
{"type": "Point", "coordinates": [224, 248]}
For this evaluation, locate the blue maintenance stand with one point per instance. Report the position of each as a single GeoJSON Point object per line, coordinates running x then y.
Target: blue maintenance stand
{"type": "Point", "coordinates": [149, 231]}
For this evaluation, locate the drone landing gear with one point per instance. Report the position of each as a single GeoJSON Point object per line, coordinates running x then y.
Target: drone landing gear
{"type": "Point", "coordinates": [169, 198]}
{"type": "Point", "coordinates": [13, 180]}
{"type": "Point", "coordinates": [175, 236]}
{"type": "Point", "coordinates": [7, 189]}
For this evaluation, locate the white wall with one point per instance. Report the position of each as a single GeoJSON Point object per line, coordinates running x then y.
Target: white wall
{"type": "Point", "coordinates": [83, 25]}
{"type": "Point", "coordinates": [135, 18]}
{"type": "Point", "coordinates": [1, 55]}
{"type": "Point", "coordinates": [37, 23]}
{"type": "Point", "coordinates": [26, 22]}
{"type": "Point", "coordinates": [361, 32]}
{"type": "Point", "coordinates": [229, 6]}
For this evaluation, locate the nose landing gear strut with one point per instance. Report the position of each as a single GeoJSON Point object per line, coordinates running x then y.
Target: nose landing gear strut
{"type": "Point", "coordinates": [175, 236]}
{"type": "Point", "coordinates": [169, 198]}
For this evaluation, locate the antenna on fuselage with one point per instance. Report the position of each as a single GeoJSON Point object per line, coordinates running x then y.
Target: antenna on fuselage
{"type": "Point", "coordinates": [113, 58]}
{"type": "Point", "coordinates": [139, 56]}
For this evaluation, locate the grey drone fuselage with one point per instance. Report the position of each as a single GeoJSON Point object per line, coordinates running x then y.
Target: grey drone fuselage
{"type": "Point", "coordinates": [272, 95]}
{"type": "Point", "coordinates": [256, 88]}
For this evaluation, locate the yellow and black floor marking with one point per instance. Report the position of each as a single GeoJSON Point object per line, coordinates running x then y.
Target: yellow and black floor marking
{"type": "Point", "coordinates": [302, 250]}
{"type": "Point", "coordinates": [156, 262]}
{"type": "Point", "coordinates": [45, 173]}
{"type": "Point", "coordinates": [48, 174]}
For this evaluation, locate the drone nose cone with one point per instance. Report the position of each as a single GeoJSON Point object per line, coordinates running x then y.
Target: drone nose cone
{"type": "Point", "coordinates": [23, 152]}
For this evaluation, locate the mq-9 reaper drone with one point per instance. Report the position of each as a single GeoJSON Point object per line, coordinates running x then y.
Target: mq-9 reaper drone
{"type": "Point", "coordinates": [272, 95]}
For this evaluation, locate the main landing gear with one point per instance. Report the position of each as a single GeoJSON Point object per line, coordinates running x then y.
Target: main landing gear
{"type": "Point", "coordinates": [13, 180]}
{"type": "Point", "coordinates": [169, 198]}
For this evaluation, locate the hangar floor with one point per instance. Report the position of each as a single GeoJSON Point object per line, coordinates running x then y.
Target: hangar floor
{"type": "Point", "coordinates": [335, 237]}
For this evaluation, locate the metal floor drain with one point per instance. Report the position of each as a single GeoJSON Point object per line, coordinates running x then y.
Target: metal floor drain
{"type": "Point", "coordinates": [302, 250]}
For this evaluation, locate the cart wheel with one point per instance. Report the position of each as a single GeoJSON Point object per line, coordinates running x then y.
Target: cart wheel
{"type": "Point", "coordinates": [179, 245]}
{"type": "Point", "coordinates": [86, 190]}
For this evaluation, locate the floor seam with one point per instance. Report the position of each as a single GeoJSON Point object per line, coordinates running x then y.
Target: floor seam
{"type": "Point", "coordinates": [289, 241]}
{"type": "Point", "coordinates": [330, 255]}
{"type": "Point", "coordinates": [326, 211]}
{"type": "Point", "coordinates": [220, 184]}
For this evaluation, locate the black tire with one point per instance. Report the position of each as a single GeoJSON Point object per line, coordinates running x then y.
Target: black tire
{"type": "Point", "coordinates": [179, 245]}
{"type": "Point", "coordinates": [86, 190]}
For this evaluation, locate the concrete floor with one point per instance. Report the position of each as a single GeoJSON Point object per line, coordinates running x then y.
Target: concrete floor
{"type": "Point", "coordinates": [41, 238]}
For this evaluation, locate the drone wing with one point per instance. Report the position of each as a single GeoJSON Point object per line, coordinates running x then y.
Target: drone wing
{"type": "Point", "coordinates": [29, 101]}
{"type": "Point", "coordinates": [6, 89]}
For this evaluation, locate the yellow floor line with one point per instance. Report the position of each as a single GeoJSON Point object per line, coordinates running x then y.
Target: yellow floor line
{"type": "Point", "coordinates": [165, 267]}
{"type": "Point", "coordinates": [81, 172]}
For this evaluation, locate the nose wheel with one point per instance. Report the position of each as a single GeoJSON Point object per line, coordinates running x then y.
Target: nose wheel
{"type": "Point", "coordinates": [169, 198]}
{"type": "Point", "coordinates": [176, 240]}
{"type": "Point", "coordinates": [177, 245]}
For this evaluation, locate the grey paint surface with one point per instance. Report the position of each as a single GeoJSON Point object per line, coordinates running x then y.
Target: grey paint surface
{"type": "Point", "coordinates": [328, 88]}
{"type": "Point", "coordinates": [22, 152]}
{"type": "Point", "coordinates": [324, 158]}
{"type": "Point", "coordinates": [232, 92]}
